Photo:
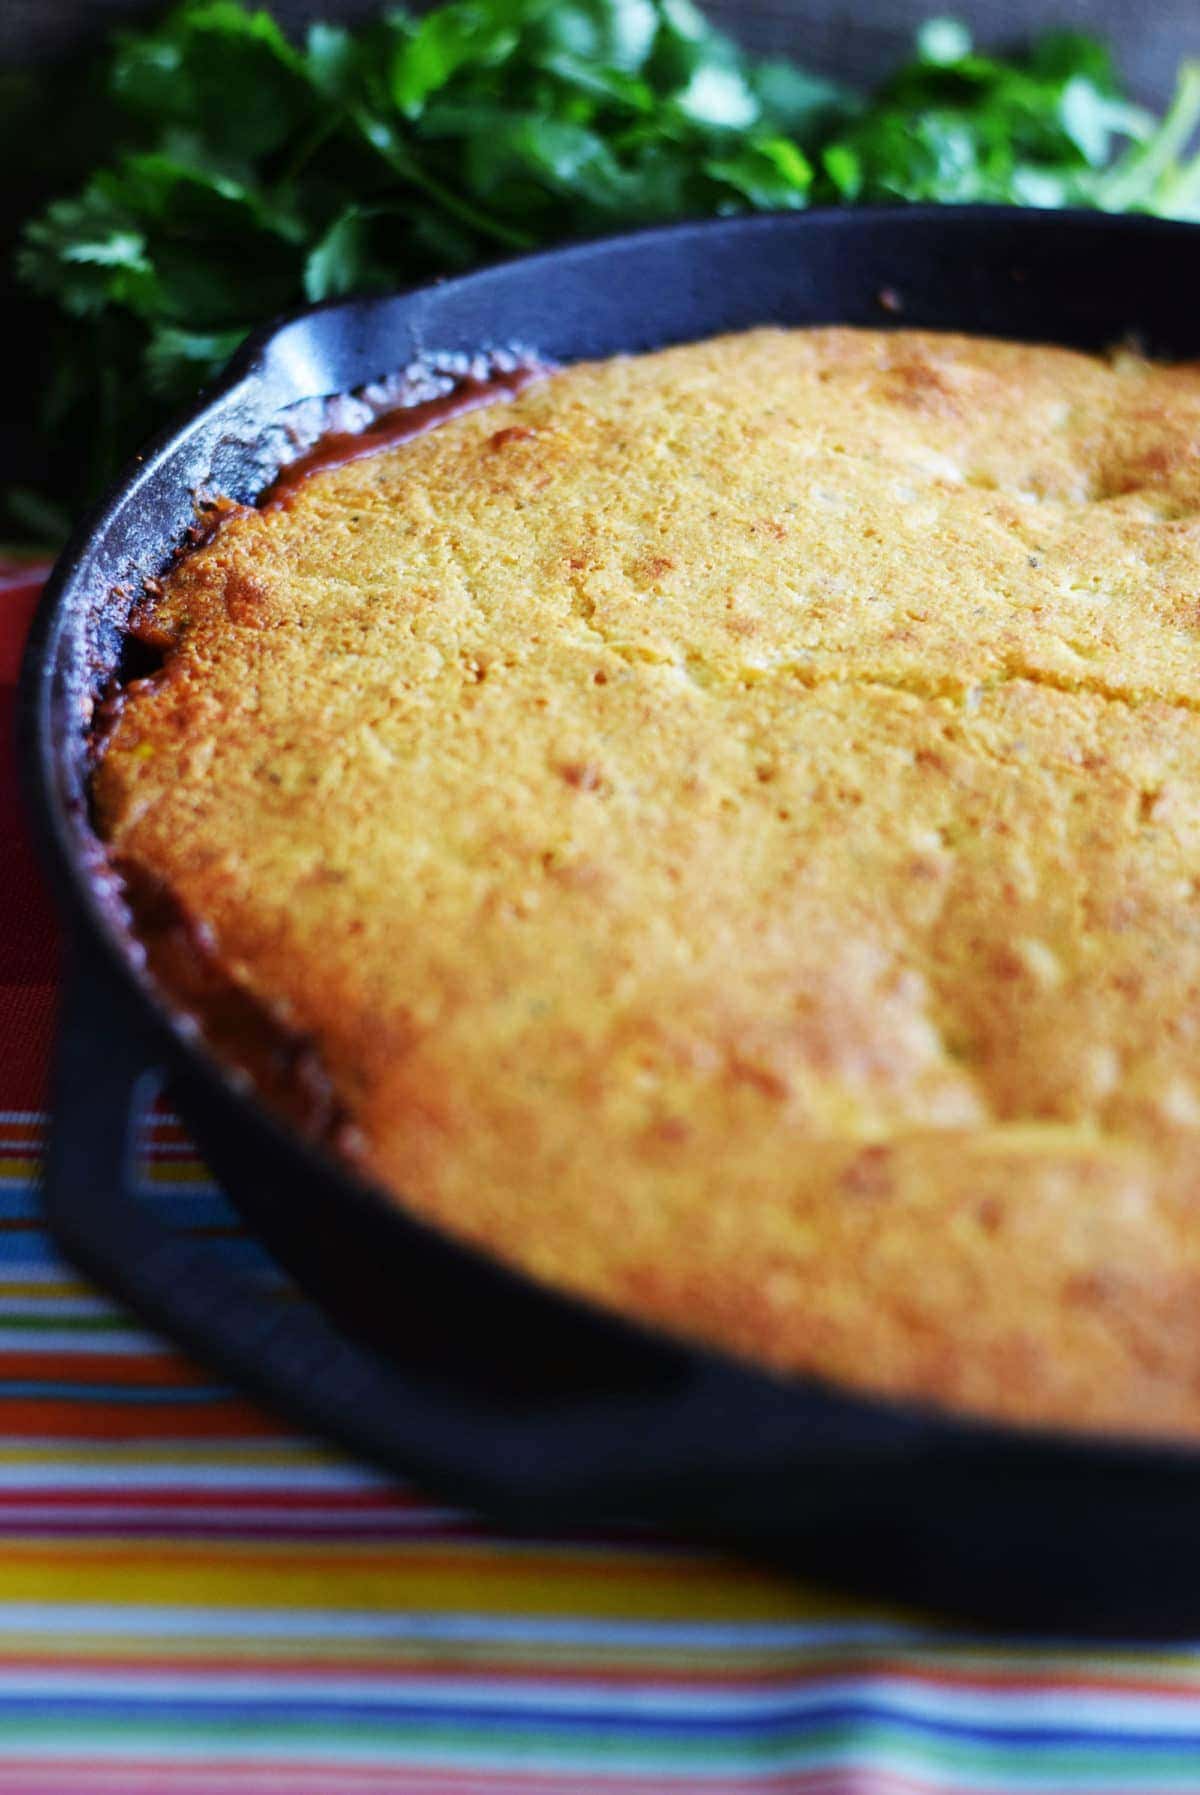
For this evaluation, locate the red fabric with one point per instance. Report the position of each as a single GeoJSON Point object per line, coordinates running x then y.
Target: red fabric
{"type": "Point", "coordinates": [20, 588]}
{"type": "Point", "coordinates": [28, 937]}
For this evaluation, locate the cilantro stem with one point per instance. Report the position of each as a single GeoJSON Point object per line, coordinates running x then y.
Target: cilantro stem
{"type": "Point", "coordinates": [383, 143]}
{"type": "Point", "coordinates": [1133, 182]}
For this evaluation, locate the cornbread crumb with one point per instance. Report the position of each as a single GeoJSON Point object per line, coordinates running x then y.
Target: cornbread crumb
{"type": "Point", "coordinates": [730, 824]}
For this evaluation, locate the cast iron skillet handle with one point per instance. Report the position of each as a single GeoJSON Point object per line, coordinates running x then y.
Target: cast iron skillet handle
{"type": "Point", "coordinates": [105, 1079]}
{"type": "Point", "coordinates": [591, 1458]}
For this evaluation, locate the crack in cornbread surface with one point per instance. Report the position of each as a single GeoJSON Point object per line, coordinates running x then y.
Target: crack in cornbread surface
{"type": "Point", "coordinates": [730, 822]}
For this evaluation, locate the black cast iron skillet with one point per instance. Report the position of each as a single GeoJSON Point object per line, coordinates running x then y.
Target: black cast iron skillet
{"type": "Point", "coordinates": [429, 1358]}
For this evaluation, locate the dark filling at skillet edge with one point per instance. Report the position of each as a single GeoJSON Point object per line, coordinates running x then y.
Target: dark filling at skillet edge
{"type": "Point", "coordinates": [281, 1063]}
{"type": "Point", "coordinates": [399, 425]}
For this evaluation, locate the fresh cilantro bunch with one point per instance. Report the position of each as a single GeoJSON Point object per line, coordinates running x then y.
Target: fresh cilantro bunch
{"type": "Point", "coordinates": [239, 174]}
{"type": "Point", "coordinates": [250, 174]}
{"type": "Point", "coordinates": [1053, 129]}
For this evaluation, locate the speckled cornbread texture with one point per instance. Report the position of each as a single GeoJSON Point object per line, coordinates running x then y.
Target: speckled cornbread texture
{"type": "Point", "coordinates": [730, 820]}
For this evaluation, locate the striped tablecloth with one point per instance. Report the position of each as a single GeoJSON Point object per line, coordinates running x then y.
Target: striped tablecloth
{"type": "Point", "coordinates": [192, 1599]}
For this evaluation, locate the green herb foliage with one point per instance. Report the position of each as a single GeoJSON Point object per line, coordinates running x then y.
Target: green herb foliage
{"type": "Point", "coordinates": [241, 174]}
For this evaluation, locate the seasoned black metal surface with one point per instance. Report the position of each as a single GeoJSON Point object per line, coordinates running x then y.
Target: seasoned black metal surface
{"type": "Point", "coordinates": [432, 1359]}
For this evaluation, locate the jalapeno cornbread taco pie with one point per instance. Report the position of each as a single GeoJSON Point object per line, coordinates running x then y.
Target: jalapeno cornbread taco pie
{"type": "Point", "coordinates": [725, 825]}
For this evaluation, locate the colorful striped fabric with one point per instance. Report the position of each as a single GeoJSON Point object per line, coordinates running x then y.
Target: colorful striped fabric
{"type": "Point", "coordinates": [194, 1602]}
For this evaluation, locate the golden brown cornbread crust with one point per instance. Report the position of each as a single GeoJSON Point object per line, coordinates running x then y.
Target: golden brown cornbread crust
{"type": "Point", "coordinates": [730, 820]}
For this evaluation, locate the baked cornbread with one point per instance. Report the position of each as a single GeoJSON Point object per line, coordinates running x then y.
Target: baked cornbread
{"type": "Point", "coordinates": [729, 822]}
